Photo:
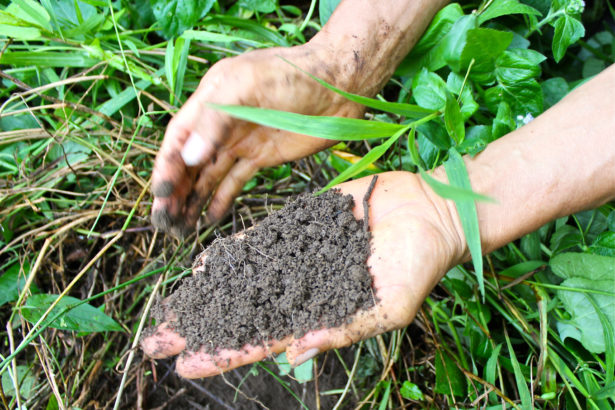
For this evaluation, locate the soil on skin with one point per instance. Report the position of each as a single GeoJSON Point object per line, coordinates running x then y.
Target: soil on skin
{"type": "Point", "coordinates": [303, 268]}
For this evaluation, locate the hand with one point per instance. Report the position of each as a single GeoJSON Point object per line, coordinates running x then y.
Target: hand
{"type": "Point", "coordinates": [209, 156]}
{"type": "Point", "coordinates": [416, 238]}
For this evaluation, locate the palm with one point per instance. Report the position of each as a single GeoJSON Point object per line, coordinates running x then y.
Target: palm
{"type": "Point", "coordinates": [235, 150]}
{"type": "Point", "coordinates": [413, 244]}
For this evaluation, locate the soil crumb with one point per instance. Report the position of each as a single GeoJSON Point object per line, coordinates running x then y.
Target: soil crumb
{"type": "Point", "coordinates": [302, 268]}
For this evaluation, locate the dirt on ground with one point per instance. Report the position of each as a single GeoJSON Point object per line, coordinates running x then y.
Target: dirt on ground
{"type": "Point", "coordinates": [302, 268]}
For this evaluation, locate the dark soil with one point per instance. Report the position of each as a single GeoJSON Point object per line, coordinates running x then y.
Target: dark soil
{"type": "Point", "coordinates": [303, 268]}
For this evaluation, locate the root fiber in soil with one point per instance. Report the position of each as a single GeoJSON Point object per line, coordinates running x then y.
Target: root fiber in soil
{"type": "Point", "coordinates": [302, 268]}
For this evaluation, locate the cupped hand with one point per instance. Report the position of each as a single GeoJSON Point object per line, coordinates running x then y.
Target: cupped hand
{"type": "Point", "coordinates": [206, 156]}
{"type": "Point", "coordinates": [416, 238]}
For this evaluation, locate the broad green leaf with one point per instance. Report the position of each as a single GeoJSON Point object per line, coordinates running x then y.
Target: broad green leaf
{"type": "Point", "coordinates": [604, 244]}
{"type": "Point", "coordinates": [452, 192]}
{"type": "Point", "coordinates": [455, 83]}
{"type": "Point", "coordinates": [499, 8]}
{"type": "Point", "coordinates": [503, 122]}
{"type": "Point", "coordinates": [325, 9]}
{"type": "Point", "coordinates": [567, 31]}
{"type": "Point", "coordinates": [458, 176]}
{"type": "Point", "coordinates": [444, 44]}
{"type": "Point", "coordinates": [523, 97]}
{"type": "Point", "coordinates": [262, 6]}
{"type": "Point", "coordinates": [335, 128]}
{"type": "Point", "coordinates": [11, 282]}
{"type": "Point", "coordinates": [429, 90]}
{"type": "Point", "coordinates": [591, 267]}
{"type": "Point", "coordinates": [583, 314]}
{"type": "Point", "coordinates": [439, 26]}
{"type": "Point", "coordinates": [476, 139]}
{"type": "Point", "coordinates": [77, 316]}
{"type": "Point", "coordinates": [524, 391]}
{"type": "Point", "coordinates": [304, 372]}
{"type": "Point", "coordinates": [176, 16]}
{"type": "Point", "coordinates": [518, 65]}
{"type": "Point", "coordinates": [410, 111]}
{"type": "Point", "coordinates": [554, 89]}
{"type": "Point", "coordinates": [521, 268]}
{"type": "Point", "coordinates": [449, 379]}
{"type": "Point", "coordinates": [593, 272]}
{"type": "Point", "coordinates": [436, 133]}
{"type": "Point", "coordinates": [366, 161]}
{"type": "Point", "coordinates": [456, 40]}
{"type": "Point", "coordinates": [411, 391]}
{"type": "Point", "coordinates": [453, 120]}
{"type": "Point", "coordinates": [25, 380]}
{"type": "Point", "coordinates": [483, 46]}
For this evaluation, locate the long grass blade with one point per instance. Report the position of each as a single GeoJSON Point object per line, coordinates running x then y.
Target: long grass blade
{"type": "Point", "coordinates": [372, 156]}
{"type": "Point", "coordinates": [409, 110]}
{"type": "Point", "coordinates": [333, 128]}
{"type": "Point", "coordinates": [458, 176]}
{"type": "Point", "coordinates": [524, 391]}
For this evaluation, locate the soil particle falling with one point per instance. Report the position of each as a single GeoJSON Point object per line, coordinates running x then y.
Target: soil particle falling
{"type": "Point", "coordinates": [303, 268]}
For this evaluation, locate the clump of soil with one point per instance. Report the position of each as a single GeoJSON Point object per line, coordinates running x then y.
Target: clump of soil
{"type": "Point", "coordinates": [303, 268]}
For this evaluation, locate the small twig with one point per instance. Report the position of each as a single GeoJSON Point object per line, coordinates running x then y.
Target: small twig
{"type": "Point", "coordinates": [368, 194]}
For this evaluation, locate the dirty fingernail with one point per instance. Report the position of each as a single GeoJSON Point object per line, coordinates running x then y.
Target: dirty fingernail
{"type": "Point", "coordinates": [195, 150]}
{"type": "Point", "coordinates": [305, 356]}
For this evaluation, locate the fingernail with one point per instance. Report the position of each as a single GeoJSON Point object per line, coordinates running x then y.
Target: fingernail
{"type": "Point", "coordinates": [194, 150]}
{"type": "Point", "coordinates": [305, 356]}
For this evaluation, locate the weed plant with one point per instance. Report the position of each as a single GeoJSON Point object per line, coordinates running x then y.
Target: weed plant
{"type": "Point", "coordinates": [87, 88]}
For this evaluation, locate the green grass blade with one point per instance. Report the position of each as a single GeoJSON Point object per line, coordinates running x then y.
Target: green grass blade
{"type": "Point", "coordinates": [452, 192]}
{"type": "Point", "coordinates": [524, 391]}
{"type": "Point", "coordinates": [409, 110]}
{"type": "Point", "coordinates": [333, 128]}
{"type": "Point", "coordinates": [48, 59]}
{"type": "Point", "coordinates": [607, 392]}
{"type": "Point", "coordinates": [491, 367]}
{"type": "Point", "coordinates": [249, 25]}
{"type": "Point", "coordinates": [209, 37]}
{"type": "Point", "coordinates": [361, 165]}
{"type": "Point", "coordinates": [458, 176]}
{"type": "Point", "coordinates": [385, 397]}
{"type": "Point", "coordinates": [609, 337]}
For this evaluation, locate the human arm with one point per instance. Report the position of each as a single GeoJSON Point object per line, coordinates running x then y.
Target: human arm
{"type": "Point", "coordinates": [207, 157]}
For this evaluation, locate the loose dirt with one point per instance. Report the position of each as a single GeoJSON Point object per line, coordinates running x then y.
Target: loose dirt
{"type": "Point", "coordinates": [302, 268]}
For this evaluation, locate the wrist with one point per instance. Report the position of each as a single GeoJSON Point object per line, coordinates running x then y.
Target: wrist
{"type": "Point", "coordinates": [364, 42]}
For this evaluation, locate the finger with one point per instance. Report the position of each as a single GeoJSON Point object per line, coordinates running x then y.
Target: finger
{"type": "Point", "coordinates": [365, 324]}
{"type": "Point", "coordinates": [163, 342]}
{"type": "Point", "coordinates": [230, 186]}
{"type": "Point", "coordinates": [194, 365]}
{"type": "Point", "coordinates": [206, 182]}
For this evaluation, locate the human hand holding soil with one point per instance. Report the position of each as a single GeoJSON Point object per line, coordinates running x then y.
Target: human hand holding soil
{"type": "Point", "coordinates": [415, 239]}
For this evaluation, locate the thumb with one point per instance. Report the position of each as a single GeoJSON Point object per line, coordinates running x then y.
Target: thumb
{"type": "Point", "coordinates": [315, 342]}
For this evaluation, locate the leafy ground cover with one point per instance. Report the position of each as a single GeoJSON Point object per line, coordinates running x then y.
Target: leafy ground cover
{"type": "Point", "coordinates": [87, 88]}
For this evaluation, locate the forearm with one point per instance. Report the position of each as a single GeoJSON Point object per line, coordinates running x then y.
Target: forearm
{"type": "Point", "coordinates": [368, 39]}
{"type": "Point", "coordinates": [560, 163]}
